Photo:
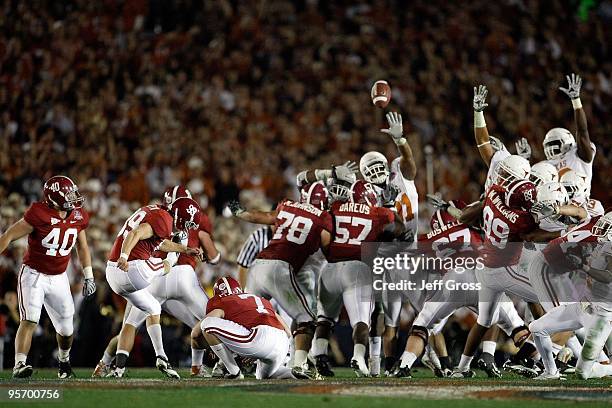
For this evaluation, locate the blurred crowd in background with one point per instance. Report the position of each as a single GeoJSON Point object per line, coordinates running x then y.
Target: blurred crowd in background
{"type": "Point", "coordinates": [233, 98]}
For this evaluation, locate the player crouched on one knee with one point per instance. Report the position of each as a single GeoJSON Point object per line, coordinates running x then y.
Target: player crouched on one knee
{"type": "Point", "coordinates": [246, 325]}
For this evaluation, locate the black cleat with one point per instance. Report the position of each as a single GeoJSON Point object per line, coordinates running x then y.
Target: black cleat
{"type": "Point", "coordinates": [65, 370]}
{"type": "Point", "coordinates": [527, 368]}
{"type": "Point", "coordinates": [323, 365]}
{"type": "Point", "coordinates": [463, 374]}
{"type": "Point", "coordinates": [402, 372]}
{"type": "Point", "coordinates": [22, 370]}
{"type": "Point", "coordinates": [486, 362]}
{"type": "Point", "coordinates": [237, 376]}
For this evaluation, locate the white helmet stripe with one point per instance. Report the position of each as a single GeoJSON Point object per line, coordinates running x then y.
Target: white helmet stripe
{"type": "Point", "coordinates": [227, 285]}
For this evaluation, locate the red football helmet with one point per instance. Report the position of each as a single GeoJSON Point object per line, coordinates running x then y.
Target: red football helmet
{"type": "Point", "coordinates": [186, 213]}
{"type": "Point", "coordinates": [61, 192]}
{"type": "Point", "coordinates": [172, 193]}
{"type": "Point", "coordinates": [226, 286]}
{"type": "Point", "coordinates": [363, 192]}
{"type": "Point", "coordinates": [315, 194]}
{"type": "Point", "coordinates": [442, 217]}
{"type": "Point", "coordinates": [521, 194]}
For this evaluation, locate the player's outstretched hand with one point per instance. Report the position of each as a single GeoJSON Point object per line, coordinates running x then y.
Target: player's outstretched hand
{"type": "Point", "coordinates": [396, 128]}
{"type": "Point", "coordinates": [89, 287]}
{"type": "Point", "coordinates": [344, 171]}
{"type": "Point", "coordinates": [351, 165]}
{"type": "Point", "coordinates": [497, 144]}
{"type": "Point", "coordinates": [574, 83]}
{"type": "Point", "coordinates": [544, 210]}
{"type": "Point", "coordinates": [437, 202]}
{"type": "Point", "coordinates": [480, 96]}
{"type": "Point", "coordinates": [236, 208]}
{"type": "Point", "coordinates": [523, 148]}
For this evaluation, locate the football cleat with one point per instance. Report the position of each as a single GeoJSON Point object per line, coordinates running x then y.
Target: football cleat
{"type": "Point", "coordinates": [486, 362]}
{"type": "Point", "coordinates": [525, 368]}
{"type": "Point", "coordinates": [22, 370]}
{"type": "Point", "coordinates": [117, 372]}
{"type": "Point", "coordinates": [402, 372]}
{"type": "Point", "coordinates": [360, 368]}
{"type": "Point", "coordinates": [323, 365]}
{"type": "Point", "coordinates": [303, 373]}
{"type": "Point", "coordinates": [429, 363]}
{"type": "Point", "coordinates": [219, 370]}
{"type": "Point", "coordinates": [237, 376]}
{"type": "Point", "coordinates": [65, 370]}
{"type": "Point", "coordinates": [463, 374]}
{"type": "Point", "coordinates": [200, 371]}
{"type": "Point", "coordinates": [375, 367]}
{"type": "Point", "coordinates": [164, 366]}
{"type": "Point", "coordinates": [101, 370]}
{"type": "Point", "coordinates": [547, 376]}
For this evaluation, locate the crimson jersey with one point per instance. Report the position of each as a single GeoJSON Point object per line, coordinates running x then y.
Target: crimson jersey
{"type": "Point", "coordinates": [159, 220]}
{"type": "Point", "coordinates": [355, 223]}
{"type": "Point", "coordinates": [503, 228]}
{"type": "Point", "coordinates": [452, 240]}
{"type": "Point", "coordinates": [557, 250]}
{"type": "Point", "coordinates": [53, 238]}
{"type": "Point", "coordinates": [245, 309]}
{"type": "Point", "coordinates": [298, 233]}
{"type": "Point", "coordinates": [193, 241]}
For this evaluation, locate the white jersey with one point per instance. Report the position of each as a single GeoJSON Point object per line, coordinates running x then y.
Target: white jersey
{"type": "Point", "coordinates": [593, 207]}
{"type": "Point", "coordinates": [602, 292]}
{"type": "Point", "coordinates": [407, 200]}
{"type": "Point", "coordinates": [497, 158]}
{"type": "Point", "coordinates": [572, 161]}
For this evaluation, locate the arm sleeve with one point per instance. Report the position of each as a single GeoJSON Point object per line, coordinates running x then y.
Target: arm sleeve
{"type": "Point", "coordinates": [161, 222]}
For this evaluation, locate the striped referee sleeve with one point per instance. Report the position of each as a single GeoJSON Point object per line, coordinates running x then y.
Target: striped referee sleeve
{"type": "Point", "coordinates": [256, 242]}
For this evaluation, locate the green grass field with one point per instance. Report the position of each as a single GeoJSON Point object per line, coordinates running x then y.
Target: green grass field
{"type": "Point", "coordinates": [146, 388]}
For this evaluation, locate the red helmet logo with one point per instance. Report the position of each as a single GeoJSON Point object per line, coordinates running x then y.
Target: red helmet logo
{"type": "Point", "coordinates": [363, 192]}
{"type": "Point", "coordinates": [226, 286]}
{"type": "Point", "coordinates": [62, 193]}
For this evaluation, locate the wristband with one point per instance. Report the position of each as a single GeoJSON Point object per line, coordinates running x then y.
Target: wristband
{"type": "Point", "coordinates": [479, 120]}
{"type": "Point", "coordinates": [124, 256]}
{"type": "Point", "coordinates": [400, 142]}
{"type": "Point", "coordinates": [88, 272]}
{"type": "Point", "coordinates": [215, 260]}
{"type": "Point", "coordinates": [483, 144]}
{"type": "Point", "coordinates": [576, 103]}
{"type": "Point", "coordinates": [322, 175]}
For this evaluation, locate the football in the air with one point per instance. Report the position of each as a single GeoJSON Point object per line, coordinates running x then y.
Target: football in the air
{"type": "Point", "coordinates": [381, 94]}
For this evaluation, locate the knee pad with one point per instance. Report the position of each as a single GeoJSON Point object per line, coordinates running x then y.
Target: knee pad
{"type": "Point", "coordinates": [65, 326]}
{"type": "Point", "coordinates": [307, 328]}
{"type": "Point", "coordinates": [420, 332]}
{"type": "Point", "coordinates": [518, 342]}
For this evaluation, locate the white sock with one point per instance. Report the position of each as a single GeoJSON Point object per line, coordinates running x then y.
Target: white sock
{"type": "Point", "coordinates": [63, 355]}
{"type": "Point", "coordinates": [600, 370]}
{"type": "Point", "coordinates": [359, 352]}
{"type": "Point", "coordinates": [319, 346]}
{"type": "Point", "coordinates": [375, 344]}
{"type": "Point", "coordinates": [545, 347]}
{"type": "Point", "coordinates": [408, 359]}
{"type": "Point", "coordinates": [299, 358]}
{"type": "Point", "coordinates": [465, 362]}
{"type": "Point", "coordinates": [107, 358]}
{"type": "Point", "coordinates": [20, 358]}
{"type": "Point", "coordinates": [489, 347]}
{"type": "Point", "coordinates": [155, 333]}
{"type": "Point", "coordinates": [555, 348]}
{"type": "Point", "coordinates": [603, 357]}
{"type": "Point", "coordinates": [197, 356]}
{"type": "Point", "coordinates": [574, 344]}
{"type": "Point", "coordinates": [227, 357]}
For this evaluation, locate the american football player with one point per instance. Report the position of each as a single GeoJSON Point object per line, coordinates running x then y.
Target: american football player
{"type": "Point", "coordinates": [301, 229]}
{"type": "Point", "coordinates": [131, 268]}
{"type": "Point", "coordinates": [542, 173]}
{"type": "Point", "coordinates": [396, 187]}
{"type": "Point", "coordinates": [53, 226]}
{"type": "Point", "coordinates": [577, 188]}
{"type": "Point", "coordinates": [247, 325]}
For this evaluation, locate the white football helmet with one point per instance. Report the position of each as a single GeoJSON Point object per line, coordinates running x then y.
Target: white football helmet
{"type": "Point", "coordinates": [603, 228]}
{"type": "Point", "coordinates": [552, 193]}
{"type": "Point", "coordinates": [512, 168]}
{"type": "Point", "coordinates": [557, 142]}
{"type": "Point", "coordinates": [374, 167]}
{"type": "Point", "coordinates": [576, 185]}
{"type": "Point", "coordinates": [542, 173]}
{"type": "Point", "coordinates": [339, 187]}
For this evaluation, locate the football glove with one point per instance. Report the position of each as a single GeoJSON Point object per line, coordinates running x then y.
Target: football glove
{"type": "Point", "coordinates": [236, 208]}
{"type": "Point", "coordinates": [396, 128]}
{"type": "Point", "coordinates": [389, 194]}
{"type": "Point", "coordinates": [544, 210]}
{"type": "Point", "coordinates": [480, 95]}
{"type": "Point", "coordinates": [574, 83]}
{"type": "Point", "coordinates": [89, 287]}
{"type": "Point", "coordinates": [343, 172]}
{"type": "Point", "coordinates": [437, 202]}
{"type": "Point", "coordinates": [523, 148]}
{"type": "Point", "coordinates": [497, 144]}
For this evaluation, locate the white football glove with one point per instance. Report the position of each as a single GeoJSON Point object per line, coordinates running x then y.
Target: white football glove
{"type": "Point", "coordinates": [523, 148]}
{"type": "Point", "coordinates": [497, 144]}
{"type": "Point", "coordinates": [352, 166]}
{"type": "Point", "coordinates": [345, 172]}
{"type": "Point", "coordinates": [396, 128]}
{"type": "Point", "coordinates": [574, 83]}
{"type": "Point", "coordinates": [388, 195]}
{"type": "Point", "coordinates": [480, 95]}
{"type": "Point", "coordinates": [437, 202]}
{"type": "Point", "coordinates": [544, 210]}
